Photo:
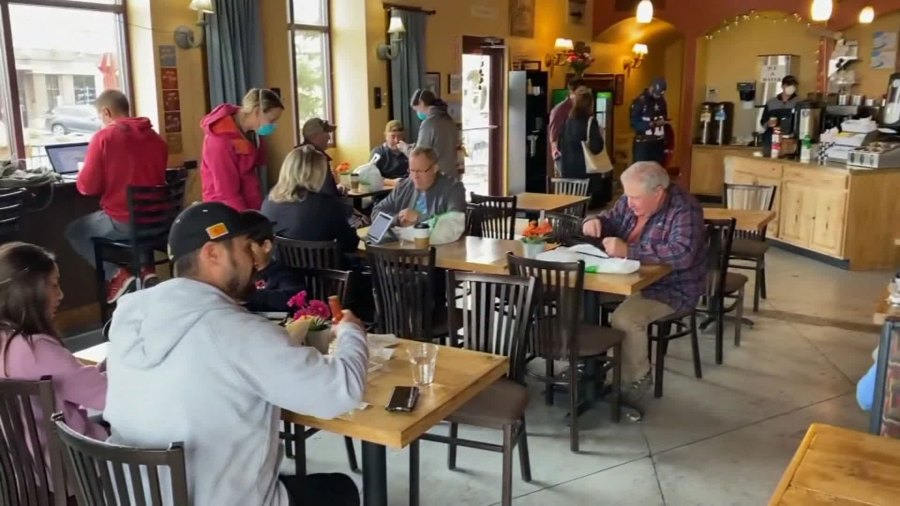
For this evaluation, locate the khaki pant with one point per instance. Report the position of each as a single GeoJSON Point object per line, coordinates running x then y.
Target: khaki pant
{"type": "Point", "coordinates": [632, 317]}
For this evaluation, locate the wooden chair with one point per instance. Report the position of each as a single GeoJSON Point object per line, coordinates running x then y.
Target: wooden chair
{"type": "Point", "coordinates": [668, 328]}
{"type": "Point", "coordinates": [565, 227]}
{"type": "Point", "coordinates": [749, 249]}
{"type": "Point", "coordinates": [576, 187]}
{"type": "Point", "coordinates": [108, 474]}
{"type": "Point", "coordinates": [151, 212]}
{"type": "Point", "coordinates": [308, 254]}
{"type": "Point", "coordinates": [721, 284]}
{"type": "Point", "coordinates": [30, 470]}
{"type": "Point", "coordinates": [491, 217]}
{"type": "Point", "coordinates": [495, 318]}
{"type": "Point", "coordinates": [558, 333]}
{"type": "Point", "coordinates": [12, 206]}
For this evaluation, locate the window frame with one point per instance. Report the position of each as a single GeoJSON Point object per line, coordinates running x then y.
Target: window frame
{"type": "Point", "coordinates": [324, 29]}
{"type": "Point", "coordinates": [10, 87]}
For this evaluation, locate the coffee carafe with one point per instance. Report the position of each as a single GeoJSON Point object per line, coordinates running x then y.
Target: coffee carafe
{"type": "Point", "coordinates": [723, 122]}
{"type": "Point", "coordinates": [705, 131]}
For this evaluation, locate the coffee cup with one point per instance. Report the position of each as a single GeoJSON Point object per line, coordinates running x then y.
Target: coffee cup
{"type": "Point", "coordinates": [354, 181]}
{"type": "Point", "coordinates": [422, 236]}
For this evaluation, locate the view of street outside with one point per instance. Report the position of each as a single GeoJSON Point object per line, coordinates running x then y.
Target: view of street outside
{"type": "Point", "coordinates": [476, 122]}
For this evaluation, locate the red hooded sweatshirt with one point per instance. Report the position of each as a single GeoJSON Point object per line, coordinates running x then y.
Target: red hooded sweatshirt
{"type": "Point", "coordinates": [229, 161]}
{"type": "Point", "coordinates": [127, 152]}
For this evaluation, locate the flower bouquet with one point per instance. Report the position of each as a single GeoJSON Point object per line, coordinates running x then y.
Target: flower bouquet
{"type": "Point", "coordinates": [535, 237]}
{"type": "Point", "coordinates": [579, 59]}
{"type": "Point", "coordinates": [343, 173]}
{"type": "Point", "coordinates": [310, 324]}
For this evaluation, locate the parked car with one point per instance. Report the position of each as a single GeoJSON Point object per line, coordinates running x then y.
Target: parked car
{"type": "Point", "coordinates": [81, 118]}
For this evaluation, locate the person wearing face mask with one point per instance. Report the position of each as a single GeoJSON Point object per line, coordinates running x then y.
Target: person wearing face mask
{"type": "Point", "coordinates": [233, 148]}
{"type": "Point", "coordinates": [649, 117]}
{"type": "Point", "coordinates": [779, 109]}
{"type": "Point", "coordinates": [438, 131]}
{"type": "Point", "coordinates": [125, 152]}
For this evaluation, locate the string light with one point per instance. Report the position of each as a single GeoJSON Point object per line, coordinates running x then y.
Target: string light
{"type": "Point", "coordinates": [752, 15]}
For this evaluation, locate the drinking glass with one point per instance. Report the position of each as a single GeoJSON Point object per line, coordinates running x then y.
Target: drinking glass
{"type": "Point", "coordinates": [422, 359]}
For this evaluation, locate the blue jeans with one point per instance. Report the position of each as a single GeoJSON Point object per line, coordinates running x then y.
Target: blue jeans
{"type": "Point", "coordinates": [96, 224]}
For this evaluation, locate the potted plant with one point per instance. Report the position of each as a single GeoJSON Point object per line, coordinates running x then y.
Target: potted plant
{"type": "Point", "coordinates": [534, 238]}
{"type": "Point", "coordinates": [310, 324]}
{"type": "Point", "coordinates": [343, 172]}
{"type": "Point", "coordinates": [579, 59]}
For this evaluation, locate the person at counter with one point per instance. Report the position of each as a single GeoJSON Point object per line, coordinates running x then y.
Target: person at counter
{"type": "Point", "coordinates": [392, 161]}
{"type": "Point", "coordinates": [649, 116]}
{"type": "Point", "coordinates": [125, 152]}
{"type": "Point", "coordinates": [779, 109]}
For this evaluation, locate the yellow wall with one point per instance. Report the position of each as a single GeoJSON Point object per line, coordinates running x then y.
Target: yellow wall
{"type": "Point", "coordinates": [872, 82]}
{"type": "Point", "coordinates": [673, 70]}
{"type": "Point", "coordinates": [277, 50]}
{"type": "Point", "coordinates": [732, 57]}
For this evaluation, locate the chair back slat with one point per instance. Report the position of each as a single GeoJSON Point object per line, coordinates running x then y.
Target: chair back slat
{"type": "Point", "coordinates": [323, 283]}
{"type": "Point", "coordinates": [558, 304]}
{"type": "Point", "coordinates": [491, 217]}
{"type": "Point", "coordinates": [12, 206]}
{"type": "Point", "coordinates": [110, 474]}
{"type": "Point", "coordinates": [151, 212]}
{"type": "Point", "coordinates": [33, 471]}
{"type": "Point", "coordinates": [576, 187]}
{"type": "Point", "coordinates": [495, 315]}
{"type": "Point", "coordinates": [565, 227]}
{"type": "Point", "coordinates": [752, 197]}
{"type": "Point", "coordinates": [403, 282]}
{"type": "Point", "coordinates": [719, 236]}
{"type": "Point", "coordinates": [308, 254]}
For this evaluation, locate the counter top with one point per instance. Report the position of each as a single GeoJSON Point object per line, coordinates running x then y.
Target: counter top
{"type": "Point", "coordinates": [728, 146]}
{"type": "Point", "coordinates": [814, 165]}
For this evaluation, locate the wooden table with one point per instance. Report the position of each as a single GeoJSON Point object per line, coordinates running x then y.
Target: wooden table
{"type": "Point", "coordinates": [884, 311]}
{"type": "Point", "coordinates": [488, 256]}
{"type": "Point", "coordinates": [459, 376]}
{"type": "Point", "coordinates": [752, 221]}
{"type": "Point", "coordinates": [358, 196]}
{"type": "Point", "coordinates": [538, 202]}
{"type": "Point", "coordinates": [841, 467]}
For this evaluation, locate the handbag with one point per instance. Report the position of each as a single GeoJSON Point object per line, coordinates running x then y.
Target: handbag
{"type": "Point", "coordinates": [596, 163]}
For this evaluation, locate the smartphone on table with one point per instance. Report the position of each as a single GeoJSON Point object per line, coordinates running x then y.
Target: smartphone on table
{"type": "Point", "coordinates": [403, 400]}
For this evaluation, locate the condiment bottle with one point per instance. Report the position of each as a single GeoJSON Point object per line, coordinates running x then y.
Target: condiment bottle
{"type": "Point", "coordinates": [337, 311]}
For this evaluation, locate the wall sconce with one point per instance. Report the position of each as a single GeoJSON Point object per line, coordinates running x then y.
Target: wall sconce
{"type": "Point", "coordinates": [640, 52]}
{"type": "Point", "coordinates": [559, 58]}
{"type": "Point", "coordinates": [184, 35]}
{"type": "Point", "coordinates": [395, 31]}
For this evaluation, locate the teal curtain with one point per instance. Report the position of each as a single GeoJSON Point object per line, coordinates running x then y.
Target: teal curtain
{"type": "Point", "coordinates": [408, 70]}
{"type": "Point", "coordinates": [234, 50]}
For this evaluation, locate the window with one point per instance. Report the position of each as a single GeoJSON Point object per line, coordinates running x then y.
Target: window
{"type": "Point", "coordinates": [311, 41]}
{"type": "Point", "coordinates": [64, 56]}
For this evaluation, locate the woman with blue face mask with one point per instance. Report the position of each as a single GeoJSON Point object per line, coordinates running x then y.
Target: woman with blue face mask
{"type": "Point", "coordinates": [437, 131]}
{"type": "Point", "coordinates": [233, 148]}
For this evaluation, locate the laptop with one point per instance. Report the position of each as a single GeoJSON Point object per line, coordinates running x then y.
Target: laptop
{"type": "Point", "coordinates": [66, 159]}
{"type": "Point", "coordinates": [379, 228]}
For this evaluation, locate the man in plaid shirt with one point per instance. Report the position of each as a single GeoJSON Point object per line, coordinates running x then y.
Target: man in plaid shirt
{"type": "Point", "coordinates": [654, 222]}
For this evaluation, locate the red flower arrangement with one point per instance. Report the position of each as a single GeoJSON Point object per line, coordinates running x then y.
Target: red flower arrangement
{"type": "Point", "coordinates": [580, 58]}
{"type": "Point", "coordinates": [537, 233]}
{"type": "Point", "coordinates": [314, 310]}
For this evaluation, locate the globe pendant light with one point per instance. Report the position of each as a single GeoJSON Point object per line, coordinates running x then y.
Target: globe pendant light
{"type": "Point", "coordinates": [867, 15]}
{"type": "Point", "coordinates": [821, 10]}
{"type": "Point", "coordinates": [644, 12]}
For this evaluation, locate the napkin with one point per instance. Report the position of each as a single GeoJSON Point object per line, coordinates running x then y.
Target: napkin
{"type": "Point", "coordinates": [595, 259]}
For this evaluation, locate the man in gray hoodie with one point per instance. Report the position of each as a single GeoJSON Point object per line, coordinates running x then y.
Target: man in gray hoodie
{"type": "Point", "coordinates": [438, 131]}
{"type": "Point", "coordinates": [187, 363]}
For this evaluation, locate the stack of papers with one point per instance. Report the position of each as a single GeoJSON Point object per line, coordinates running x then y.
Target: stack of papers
{"type": "Point", "coordinates": [595, 260]}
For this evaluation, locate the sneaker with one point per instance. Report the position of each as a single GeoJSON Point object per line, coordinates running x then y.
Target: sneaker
{"type": "Point", "coordinates": [148, 277]}
{"type": "Point", "coordinates": [120, 284]}
{"type": "Point", "coordinates": [637, 389]}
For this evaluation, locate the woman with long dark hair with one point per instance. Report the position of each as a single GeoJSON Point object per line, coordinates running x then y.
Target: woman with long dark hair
{"type": "Point", "coordinates": [577, 129]}
{"type": "Point", "coordinates": [30, 347]}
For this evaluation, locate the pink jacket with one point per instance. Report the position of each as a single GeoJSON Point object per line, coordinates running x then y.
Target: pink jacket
{"type": "Point", "coordinates": [228, 163]}
{"type": "Point", "coordinates": [75, 386]}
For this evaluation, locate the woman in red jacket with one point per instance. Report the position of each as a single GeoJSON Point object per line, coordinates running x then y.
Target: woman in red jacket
{"type": "Point", "coordinates": [233, 148]}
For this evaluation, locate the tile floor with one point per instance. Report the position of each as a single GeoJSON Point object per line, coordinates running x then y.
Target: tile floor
{"type": "Point", "coordinates": [722, 440]}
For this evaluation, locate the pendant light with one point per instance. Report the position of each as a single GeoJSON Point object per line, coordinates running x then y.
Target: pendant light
{"type": "Point", "coordinates": [821, 10]}
{"type": "Point", "coordinates": [644, 12]}
{"type": "Point", "coordinates": [867, 15]}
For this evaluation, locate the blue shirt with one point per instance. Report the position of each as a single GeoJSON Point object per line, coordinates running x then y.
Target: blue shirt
{"type": "Point", "coordinates": [421, 206]}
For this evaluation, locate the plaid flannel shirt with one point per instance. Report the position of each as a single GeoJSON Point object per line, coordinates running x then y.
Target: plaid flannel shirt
{"type": "Point", "coordinates": [674, 235]}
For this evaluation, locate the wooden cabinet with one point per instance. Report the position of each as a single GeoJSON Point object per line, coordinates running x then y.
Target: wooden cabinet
{"type": "Point", "coordinates": [708, 167]}
{"type": "Point", "coordinates": [814, 209]}
{"type": "Point", "coordinates": [758, 172]}
{"type": "Point", "coordinates": [829, 220]}
{"type": "Point", "coordinates": [793, 222]}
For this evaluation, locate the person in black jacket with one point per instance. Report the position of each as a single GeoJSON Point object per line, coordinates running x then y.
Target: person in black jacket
{"type": "Point", "coordinates": [392, 161]}
{"type": "Point", "coordinates": [275, 282]}
{"type": "Point", "coordinates": [574, 132]}
{"type": "Point", "coordinates": [299, 210]}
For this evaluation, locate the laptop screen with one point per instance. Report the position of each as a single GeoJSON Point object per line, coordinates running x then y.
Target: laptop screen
{"type": "Point", "coordinates": [64, 158]}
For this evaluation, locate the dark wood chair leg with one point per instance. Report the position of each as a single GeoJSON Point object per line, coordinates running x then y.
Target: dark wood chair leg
{"type": "Point", "coordinates": [100, 272]}
{"type": "Point", "coordinates": [300, 450]}
{"type": "Point", "coordinates": [351, 455]}
{"type": "Point", "coordinates": [763, 278]}
{"type": "Point", "coordinates": [573, 405]}
{"type": "Point", "coordinates": [617, 384]}
{"type": "Point", "coordinates": [548, 393]}
{"type": "Point", "coordinates": [524, 459]}
{"type": "Point", "coordinates": [739, 317]}
{"type": "Point", "coordinates": [288, 430]}
{"type": "Point", "coordinates": [720, 330]}
{"type": "Point", "coordinates": [506, 496]}
{"type": "Point", "coordinates": [757, 288]}
{"type": "Point", "coordinates": [451, 447]}
{"type": "Point", "coordinates": [660, 360]}
{"type": "Point", "coordinates": [695, 347]}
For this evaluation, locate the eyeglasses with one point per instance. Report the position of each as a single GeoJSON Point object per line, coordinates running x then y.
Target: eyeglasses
{"type": "Point", "coordinates": [421, 171]}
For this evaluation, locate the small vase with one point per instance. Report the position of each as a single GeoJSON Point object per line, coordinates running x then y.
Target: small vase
{"type": "Point", "coordinates": [345, 180]}
{"type": "Point", "coordinates": [532, 249]}
{"type": "Point", "coordinates": [319, 339]}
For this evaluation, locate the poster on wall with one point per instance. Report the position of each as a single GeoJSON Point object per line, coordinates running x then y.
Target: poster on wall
{"type": "Point", "coordinates": [167, 58]}
{"type": "Point", "coordinates": [169, 79]}
{"type": "Point", "coordinates": [884, 50]}
{"type": "Point", "coordinates": [174, 144]}
{"type": "Point", "coordinates": [521, 18]}
{"type": "Point", "coordinates": [577, 11]}
{"type": "Point", "coordinates": [173, 122]}
{"type": "Point", "coordinates": [171, 100]}
{"type": "Point", "coordinates": [433, 83]}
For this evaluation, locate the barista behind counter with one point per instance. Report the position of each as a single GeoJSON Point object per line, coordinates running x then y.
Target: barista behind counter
{"type": "Point", "coordinates": [779, 110]}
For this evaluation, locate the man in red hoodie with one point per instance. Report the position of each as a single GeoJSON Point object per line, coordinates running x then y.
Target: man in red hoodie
{"type": "Point", "coordinates": [125, 152]}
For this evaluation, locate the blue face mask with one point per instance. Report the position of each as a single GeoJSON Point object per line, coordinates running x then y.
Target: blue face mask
{"type": "Point", "coordinates": [421, 115]}
{"type": "Point", "coordinates": [266, 129]}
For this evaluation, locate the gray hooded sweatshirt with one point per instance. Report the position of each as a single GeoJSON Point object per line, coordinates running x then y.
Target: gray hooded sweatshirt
{"type": "Point", "coordinates": [187, 364]}
{"type": "Point", "coordinates": [439, 132]}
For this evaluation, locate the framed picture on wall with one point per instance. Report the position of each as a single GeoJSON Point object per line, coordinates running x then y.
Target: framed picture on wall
{"type": "Point", "coordinates": [454, 84]}
{"type": "Point", "coordinates": [531, 65]}
{"type": "Point", "coordinates": [433, 83]}
{"type": "Point", "coordinates": [521, 18]}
